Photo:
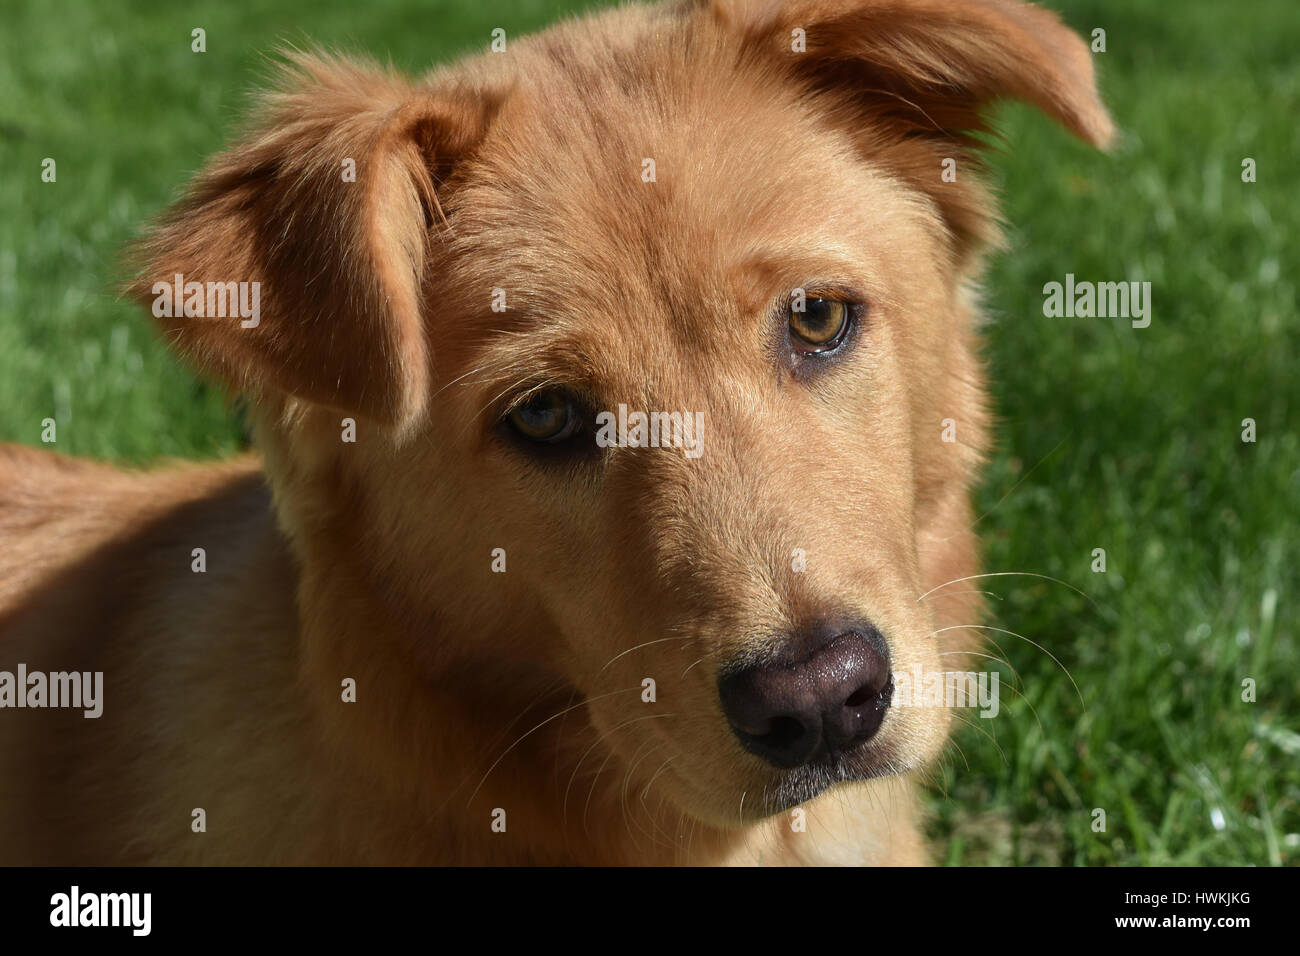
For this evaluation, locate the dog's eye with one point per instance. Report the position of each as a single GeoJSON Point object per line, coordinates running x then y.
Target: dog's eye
{"type": "Point", "coordinates": [547, 416]}
{"type": "Point", "coordinates": [820, 325]}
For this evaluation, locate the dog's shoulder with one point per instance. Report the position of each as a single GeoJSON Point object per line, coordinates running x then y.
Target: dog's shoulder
{"type": "Point", "coordinates": [58, 512]}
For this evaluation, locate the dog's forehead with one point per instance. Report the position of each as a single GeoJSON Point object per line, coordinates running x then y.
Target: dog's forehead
{"type": "Point", "coordinates": [655, 185]}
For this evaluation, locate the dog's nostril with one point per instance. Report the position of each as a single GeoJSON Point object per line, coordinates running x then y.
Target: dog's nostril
{"type": "Point", "coordinates": [784, 733]}
{"type": "Point", "coordinates": [830, 700]}
{"type": "Point", "coordinates": [861, 696]}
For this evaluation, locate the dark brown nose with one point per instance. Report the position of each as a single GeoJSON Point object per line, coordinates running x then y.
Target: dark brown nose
{"type": "Point", "coordinates": [823, 699]}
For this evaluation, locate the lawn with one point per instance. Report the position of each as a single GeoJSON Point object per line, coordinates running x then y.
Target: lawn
{"type": "Point", "coordinates": [1111, 437]}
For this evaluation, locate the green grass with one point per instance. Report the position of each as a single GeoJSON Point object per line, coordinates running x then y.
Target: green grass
{"type": "Point", "coordinates": [1111, 437]}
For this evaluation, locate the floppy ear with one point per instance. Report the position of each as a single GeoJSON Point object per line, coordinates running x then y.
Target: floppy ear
{"type": "Point", "coordinates": [324, 209]}
{"type": "Point", "coordinates": [922, 71]}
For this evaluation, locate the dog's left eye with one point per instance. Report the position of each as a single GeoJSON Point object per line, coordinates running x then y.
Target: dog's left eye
{"type": "Point", "coordinates": [547, 417]}
{"type": "Point", "coordinates": [820, 325]}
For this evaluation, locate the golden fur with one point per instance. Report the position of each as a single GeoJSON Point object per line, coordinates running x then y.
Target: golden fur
{"type": "Point", "coordinates": [371, 559]}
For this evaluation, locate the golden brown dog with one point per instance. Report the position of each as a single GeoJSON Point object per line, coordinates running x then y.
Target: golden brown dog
{"type": "Point", "coordinates": [465, 608]}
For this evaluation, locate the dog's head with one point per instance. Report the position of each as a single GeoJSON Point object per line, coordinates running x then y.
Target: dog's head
{"type": "Point", "coordinates": [652, 329]}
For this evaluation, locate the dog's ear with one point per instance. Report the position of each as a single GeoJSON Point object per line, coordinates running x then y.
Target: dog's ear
{"type": "Point", "coordinates": [964, 53]}
{"type": "Point", "coordinates": [324, 208]}
{"type": "Point", "coordinates": [919, 73]}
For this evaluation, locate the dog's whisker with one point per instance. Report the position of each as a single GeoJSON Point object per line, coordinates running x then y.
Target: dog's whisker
{"type": "Point", "coordinates": [1003, 630]}
{"type": "Point", "coordinates": [655, 815]}
{"type": "Point", "coordinates": [971, 723]}
{"type": "Point", "coordinates": [629, 818]}
{"type": "Point", "coordinates": [591, 792]}
{"type": "Point", "coordinates": [689, 666]}
{"type": "Point", "coordinates": [1032, 709]}
{"type": "Point", "coordinates": [990, 657]}
{"type": "Point", "coordinates": [1003, 574]}
{"type": "Point", "coordinates": [936, 776]}
{"type": "Point", "coordinates": [581, 703]}
{"type": "Point", "coordinates": [559, 735]}
{"type": "Point", "coordinates": [683, 854]}
{"type": "Point", "coordinates": [599, 740]}
{"type": "Point", "coordinates": [550, 688]}
{"type": "Point", "coordinates": [646, 789]}
{"type": "Point", "coordinates": [1011, 687]}
{"type": "Point", "coordinates": [1022, 479]}
{"type": "Point", "coordinates": [996, 597]}
{"type": "Point", "coordinates": [639, 646]}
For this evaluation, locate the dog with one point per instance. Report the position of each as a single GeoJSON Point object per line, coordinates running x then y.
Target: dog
{"type": "Point", "coordinates": [617, 401]}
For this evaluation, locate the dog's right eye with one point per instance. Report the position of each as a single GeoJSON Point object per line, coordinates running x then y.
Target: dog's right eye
{"type": "Point", "coordinates": [820, 325]}
{"type": "Point", "coordinates": [548, 417]}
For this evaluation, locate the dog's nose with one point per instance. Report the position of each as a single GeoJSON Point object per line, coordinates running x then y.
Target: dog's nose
{"type": "Point", "coordinates": [824, 701]}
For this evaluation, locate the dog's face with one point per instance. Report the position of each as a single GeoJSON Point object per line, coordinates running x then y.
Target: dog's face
{"type": "Point", "coordinates": [672, 315]}
{"type": "Point", "coordinates": [789, 518]}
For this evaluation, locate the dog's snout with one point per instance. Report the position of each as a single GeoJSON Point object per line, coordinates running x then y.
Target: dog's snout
{"type": "Point", "coordinates": [823, 701]}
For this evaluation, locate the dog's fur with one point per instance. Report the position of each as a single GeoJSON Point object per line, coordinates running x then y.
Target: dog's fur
{"type": "Point", "coordinates": [372, 560]}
